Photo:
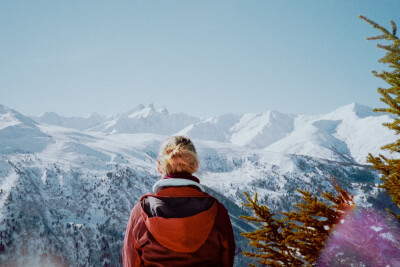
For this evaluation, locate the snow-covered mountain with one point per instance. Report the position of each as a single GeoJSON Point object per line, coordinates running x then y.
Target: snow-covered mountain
{"type": "Point", "coordinates": [261, 130]}
{"type": "Point", "coordinates": [79, 123]}
{"type": "Point", "coordinates": [19, 134]}
{"type": "Point", "coordinates": [142, 119]}
{"type": "Point", "coordinates": [66, 193]}
{"type": "Point", "coordinates": [212, 129]}
{"type": "Point", "coordinates": [347, 134]}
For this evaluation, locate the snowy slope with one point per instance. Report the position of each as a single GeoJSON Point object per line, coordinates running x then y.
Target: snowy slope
{"type": "Point", "coordinates": [212, 129]}
{"type": "Point", "coordinates": [362, 131]}
{"type": "Point", "coordinates": [70, 202]}
{"type": "Point", "coordinates": [313, 138]}
{"type": "Point", "coordinates": [249, 130]}
{"type": "Point", "coordinates": [339, 135]}
{"type": "Point", "coordinates": [261, 130]}
{"type": "Point", "coordinates": [80, 123]}
{"type": "Point", "coordinates": [19, 133]}
{"type": "Point", "coordinates": [145, 120]}
{"type": "Point", "coordinates": [347, 134]}
{"type": "Point", "coordinates": [66, 194]}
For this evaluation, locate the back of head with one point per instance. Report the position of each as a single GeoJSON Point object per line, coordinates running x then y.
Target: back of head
{"type": "Point", "coordinates": [178, 155]}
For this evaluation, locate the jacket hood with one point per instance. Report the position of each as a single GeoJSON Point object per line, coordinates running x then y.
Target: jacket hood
{"type": "Point", "coordinates": [186, 234]}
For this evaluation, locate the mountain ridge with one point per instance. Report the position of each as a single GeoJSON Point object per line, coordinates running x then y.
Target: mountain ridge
{"type": "Point", "coordinates": [327, 136]}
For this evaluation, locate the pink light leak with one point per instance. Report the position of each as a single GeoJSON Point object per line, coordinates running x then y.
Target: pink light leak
{"type": "Point", "coordinates": [363, 238]}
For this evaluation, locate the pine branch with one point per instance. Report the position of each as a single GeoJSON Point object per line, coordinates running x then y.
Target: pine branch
{"type": "Point", "coordinates": [387, 35]}
{"type": "Point", "coordinates": [389, 168]}
{"type": "Point", "coordinates": [297, 239]}
{"type": "Point", "coordinates": [394, 27]}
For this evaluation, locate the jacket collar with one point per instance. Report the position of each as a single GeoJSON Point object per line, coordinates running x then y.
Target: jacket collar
{"type": "Point", "coordinates": [182, 176]}
{"type": "Point", "coordinates": [178, 180]}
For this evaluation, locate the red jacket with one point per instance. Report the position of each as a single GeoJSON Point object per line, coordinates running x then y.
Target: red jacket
{"type": "Point", "coordinates": [179, 225]}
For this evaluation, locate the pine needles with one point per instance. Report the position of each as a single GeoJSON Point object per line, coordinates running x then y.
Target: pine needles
{"type": "Point", "coordinates": [298, 238]}
{"type": "Point", "coordinates": [389, 168]}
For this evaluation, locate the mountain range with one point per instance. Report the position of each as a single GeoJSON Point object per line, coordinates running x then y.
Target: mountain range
{"type": "Point", "coordinates": [343, 135]}
{"type": "Point", "coordinates": [67, 184]}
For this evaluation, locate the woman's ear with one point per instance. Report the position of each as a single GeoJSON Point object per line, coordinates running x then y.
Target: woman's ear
{"type": "Point", "coordinates": [159, 168]}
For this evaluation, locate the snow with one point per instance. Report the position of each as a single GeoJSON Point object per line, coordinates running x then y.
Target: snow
{"type": "Point", "coordinates": [353, 110]}
{"type": "Point", "coordinates": [314, 139]}
{"type": "Point", "coordinates": [143, 112]}
{"type": "Point", "coordinates": [80, 123]}
{"type": "Point", "coordinates": [19, 134]}
{"type": "Point", "coordinates": [7, 120]}
{"type": "Point", "coordinates": [212, 128]}
{"type": "Point", "coordinates": [347, 134]}
{"type": "Point", "coordinates": [144, 120]}
{"type": "Point", "coordinates": [66, 173]}
{"type": "Point", "coordinates": [6, 184]}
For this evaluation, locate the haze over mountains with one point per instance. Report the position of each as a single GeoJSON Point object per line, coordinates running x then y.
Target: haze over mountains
{"type": "Point", "coordinates": [67, 185]}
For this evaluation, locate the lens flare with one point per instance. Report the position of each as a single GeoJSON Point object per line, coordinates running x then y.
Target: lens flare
{"type": "Point", "coordinates": [364, 237]}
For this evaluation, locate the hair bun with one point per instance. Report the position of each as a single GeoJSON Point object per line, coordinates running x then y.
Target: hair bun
{"type": "Point", "coordinates": [178, 155]}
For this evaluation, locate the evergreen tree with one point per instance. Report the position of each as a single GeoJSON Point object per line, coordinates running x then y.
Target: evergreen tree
{"type": "Point", "coordinates": [389, 167]}
{"type": "Point", "coordinates": [298, 238]}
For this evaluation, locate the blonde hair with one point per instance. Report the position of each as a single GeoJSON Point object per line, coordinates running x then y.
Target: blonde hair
{"type": "Point", "coordinates": [178, 155]}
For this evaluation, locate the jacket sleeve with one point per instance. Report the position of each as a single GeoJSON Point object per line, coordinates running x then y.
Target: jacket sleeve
{"type": "Point", "coordinates": [228, 240]}
{"type": "Point", "coordinates": [130, 256]}
{"type": "Point", "coordinates": [231, 242]}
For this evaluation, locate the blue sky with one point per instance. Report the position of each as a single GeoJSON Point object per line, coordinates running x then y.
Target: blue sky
{"type": "Point", "coordinates": [198, 57]}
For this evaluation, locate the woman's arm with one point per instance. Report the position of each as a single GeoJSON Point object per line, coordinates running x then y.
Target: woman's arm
{"type": "Point", "coordinates": [228, 240]}
{"type": "Point", "coordinates": [130, 257]}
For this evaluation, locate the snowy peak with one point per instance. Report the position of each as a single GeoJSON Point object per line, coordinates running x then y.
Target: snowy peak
{"type": "Point", "coordinates": [19, 134]}
{"type": "Point", "coordinates": [347, 134]}
{"type": "Point", "coordinates": [145, 119]}
{"type": "Point", "coordinates": [212, 128]}
{"type": "Point", "coordinates": [140, 119]}
{"type": "Point", "coordinates": [250, 130]}
{"type": "Point", "coordinates": [261, 130]}
{"type": "Point", "coordinates": [95, 116]}
{"type": "Point", "coordinates": [143, 112]}
{"type": "Point", "coordinates": [79, 123]}
{"type": "Point", "coordinates": [7, 119]}
{"type": "Point", "coordinates": [339, 135]}
{"type": "Point", "coordinates": [315, 139]}
{"type": "Point", "coordinates": [50, 118]}
{"type": "Point", "coordinates": [10, 117]}
{"type": "Point", "coordinates": [163, 111]}
{"type": "Point", "coordinates": [353, 110]}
